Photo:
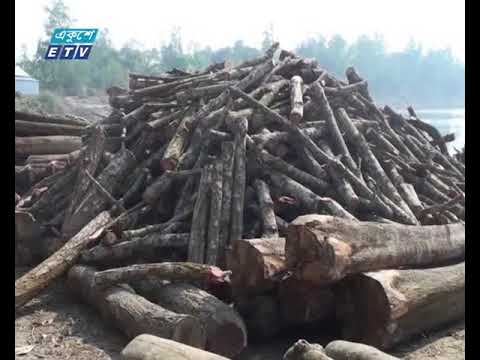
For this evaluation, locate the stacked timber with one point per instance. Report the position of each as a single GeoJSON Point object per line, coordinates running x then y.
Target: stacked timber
{"type": "Point", "coordinates": [243, 199]}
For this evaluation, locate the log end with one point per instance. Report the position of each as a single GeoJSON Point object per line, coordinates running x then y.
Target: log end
{"type": "Point", "coordinates": [190, 331]}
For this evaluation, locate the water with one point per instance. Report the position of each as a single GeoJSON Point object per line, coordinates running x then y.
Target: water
{"type": "Point", "coordinates": [447, 121]}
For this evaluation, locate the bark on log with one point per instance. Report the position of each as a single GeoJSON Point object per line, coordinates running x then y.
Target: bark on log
{"type": "Point", "coordinates": [90, 160]}
{"type": "Point", "coordinates": [93, 201]}
{"type": "Point", "coordinates": [149, 347]}
{"type": "Point", "coordinates": [28, 128]}
{"type": "Point", "coordinates": [40, 145]}
{"type": "Point", "coordinates": [213, 251]}
{"type": "Point", "coordinates": [174, 271]}
{"type": "Point", "coordinates": [239, 176]}
{"type": "Point", "coordinates": [346, 350]}
{"type": "Point", "coordinates": [136, 246]}
{"type": "Point", "coordinates": [228, 159]}
{"type": "Point", "coordinates": [30, 284]}
{"type": "Point", "coordinates": [132, 314]}
{"type": "Point", "coordinates": [198, 233]}
{"type": "Point", "coordinates": [296, 99]}
{"type": "Point", "coordinates": [49, 119]}
{"type": "Point", "coordinates": [323, 249]}
{"type": "Point", "coordinates": [269, 223]}
{"type": "Point", "coordinates": [401, 303]}
{"type": "Point", "coordinates": [68, 158]}
{"type": "Point", "coordinates": [225, 329]}
{"type": "Point", "coordinates": [255, 264]}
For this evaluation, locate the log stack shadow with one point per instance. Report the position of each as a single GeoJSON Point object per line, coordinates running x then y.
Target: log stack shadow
{"type": "Point", "coordinates": [271, 186]}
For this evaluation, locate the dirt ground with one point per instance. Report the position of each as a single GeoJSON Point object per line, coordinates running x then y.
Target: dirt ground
{"type": "Point", "coordinates": [56, 326]}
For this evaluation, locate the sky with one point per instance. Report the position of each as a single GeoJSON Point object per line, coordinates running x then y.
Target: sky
{"type": "Point", "coordinates": [218, 23]}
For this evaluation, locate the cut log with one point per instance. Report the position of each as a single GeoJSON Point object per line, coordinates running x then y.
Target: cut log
{"type": "Point", "coordinates": [149, 347]}
{"type": "Point", "coordinates": [49, 119]}
{"type": "Point", "coordinates": [198, 233]}
{"type": "Point", "coordinates": [40, 145]}
{"type": "Point", "coordinates": [37, 279]}
{"type": "Point", "coordinates": [387, 307]}
{"type": "Point", "coordinates": [68, 158]}
{"type": "Point", "coordinates": [132, 314]}
{"type": "Point", "coordinates": [303, 350]}
{"type": "Point", "coordinates": [269, 223]}
{"type": "Point", "coordinates": [213, 255]}
{"type": "Point", "coordinates": [93, 201]}
{"type": "Point", "coordinates": [90, 160]}
{"type": "Point", "coordinates": [256, 263]}
{"type": "Point", "coordinates": [296, 99]}
{"type": "Point", "coordinates": [174, 271]}
{"type": "Point", "coordinates": [29, 128]}
{"type": "Point", "coordinates": [226, 332]}
{"type": "Point", "coordinates": [136, 246]}
{"type": "Point", "coordinates": [346, 350]}
{"type": "Point", "coordinates": [239, 180]}
{"type": "Point", "coordinates": [323, 249]}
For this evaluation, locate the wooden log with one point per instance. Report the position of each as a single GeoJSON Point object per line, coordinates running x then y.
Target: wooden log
{"type": "Point", "coordinates": [37, 279]}
{"type": "Point", "coordinates": [213, 254]}
{"type": "Point", "coordinates": [172, 271]}
{"type": "Point", "coordinates": [301, 303]}
{"type": "Point", "coordinates": [296, 99]}
{"type": "Point", "coordinates": [39, 145]}
{"type": "Point", "coordinates": [340, 148]}
{"type": "Point", "coordinates": [239, 176]}
{"type": "Point", "coordinates": [131, 313]}
{"type": "Point", "coordinates": [401, 303]}
{"type": "Point", "coordinates": [303, 350]}
{"type": "Point", "coordinates": [149, 347]}
{"type": "Point", "coordinates": [308, 201]}
{"type": "Point", "coordinates": [136, 246]}
{"type": "Point", "coordinates": [29, 128]}
{"type": "Point", "coordinates": [90, 161]}
{"type": "Point", "coordinates": [375, 168]}
{"type": "Point", "coordinates": [228, 159]}
{"type": "Point", "coordinates": [198, 233]}
{"type": "Point", "coordinates": [269, 223]}
{"type": "Point", "coordinates": [50, 119]}
{"type": "Point", "coordinates": [346, 350]}
{"type": "Point", "coordinates": [323, 249]}
{"type": "Point", "coordinates": [28, 235]}
{"type": "Point", "coordinates": [68, 158]}
{"type": "Point", "coordinates": [225, 329]}
{"type": "Point", "coordinates": [255, 264]}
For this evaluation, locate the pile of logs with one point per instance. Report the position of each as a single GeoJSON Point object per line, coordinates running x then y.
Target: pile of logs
{"type": "Point", "coordinates": [271, 185]}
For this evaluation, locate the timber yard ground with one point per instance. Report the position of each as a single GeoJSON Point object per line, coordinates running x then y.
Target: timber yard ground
{"type": "Point", "coordinates": [56, 326]}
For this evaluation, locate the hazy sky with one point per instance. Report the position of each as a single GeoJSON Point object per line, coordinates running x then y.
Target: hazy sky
{"type": "Point", "coordinates": [434, 23]}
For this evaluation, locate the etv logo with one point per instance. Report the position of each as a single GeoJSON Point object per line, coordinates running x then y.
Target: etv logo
{"type": "Point", "coordinates": [68, 44]}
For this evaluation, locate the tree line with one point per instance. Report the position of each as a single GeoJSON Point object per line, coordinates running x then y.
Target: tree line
{"type": "Point", "coordinates": [433, 78]}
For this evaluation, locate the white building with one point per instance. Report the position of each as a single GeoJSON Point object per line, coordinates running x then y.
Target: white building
{"type": "Point", "coordinates": [24, 83]}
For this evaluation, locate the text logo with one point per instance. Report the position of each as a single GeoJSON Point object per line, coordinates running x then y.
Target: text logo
{"type": "Point", "coordinates": [71, 44]}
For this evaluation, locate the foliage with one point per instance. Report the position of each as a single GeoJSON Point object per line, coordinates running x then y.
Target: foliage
{"type": "Point", "coordinates": [415, 76]}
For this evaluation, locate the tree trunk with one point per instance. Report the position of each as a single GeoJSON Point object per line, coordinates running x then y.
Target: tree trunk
{"type": "Point", "coordinates": [269, 223]}
{"type": "Point", "coordinates": [173, 271]}
{"type": "Point", "coordinates": [255, 263]}
{"type": "Point", "coordinates": [40, 145]}
{"type": "Point", "coordinates": [296, 99]}
{"type": "Point", "coordinates": [346, 350]}
{"type": "Point", "coordinates": [132, 314]}
{"type": "Point", "coordinates": [135, 246]}
{"type": "Point", "coordinates": [226, 332]}
{"type": "Point", "coordinates": [30, 284]}
{"type": "Point", "coordinates": [324, 249]}
{"type": "Point", "coordinates": [386, 307]}
{"type": "Point", "coordinates": [149, 347]}
{"type": "Point", "coordinates": [29, 128]}
{"type": "Point", "coordinates": [198, 232]}
{"type": "Point", "coordinates": [49, 119]}
{"type": "Point", "coordinates": [90, 160]}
